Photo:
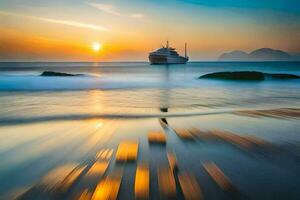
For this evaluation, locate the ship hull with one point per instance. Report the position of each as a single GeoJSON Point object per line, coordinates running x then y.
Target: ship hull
{"type": "Point", "coordinates": [163, 60]}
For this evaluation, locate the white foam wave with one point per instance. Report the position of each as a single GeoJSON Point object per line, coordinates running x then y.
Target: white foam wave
{"type": "Point", "coordinates": [30, 82]}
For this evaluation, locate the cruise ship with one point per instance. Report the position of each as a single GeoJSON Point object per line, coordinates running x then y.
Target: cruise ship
{"type": "Point", "coordinates": [167, 55]}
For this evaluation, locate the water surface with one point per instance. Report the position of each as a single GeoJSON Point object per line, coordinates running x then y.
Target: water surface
{"type": "Point", "coordinates": [52, 124]}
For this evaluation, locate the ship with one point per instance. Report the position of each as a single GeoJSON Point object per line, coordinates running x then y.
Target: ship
{"type": "Point", "coordinates": [168, 55]}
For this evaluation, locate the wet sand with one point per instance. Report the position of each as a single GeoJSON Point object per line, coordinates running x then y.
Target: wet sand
{"type": "Point", "coordinates": [222, 156]}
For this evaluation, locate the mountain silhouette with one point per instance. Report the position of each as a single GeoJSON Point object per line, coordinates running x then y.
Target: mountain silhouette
{"type": "Point", "coordinates": [263, 54]}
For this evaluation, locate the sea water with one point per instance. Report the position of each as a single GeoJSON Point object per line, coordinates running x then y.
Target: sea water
{"type": "Point", "coordinates": [47, 122]}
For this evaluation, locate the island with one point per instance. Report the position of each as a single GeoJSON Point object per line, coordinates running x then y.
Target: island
{"type": "Point", "coordinates": [263, 54]}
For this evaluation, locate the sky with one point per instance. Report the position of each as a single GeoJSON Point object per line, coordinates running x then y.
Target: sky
{"type": "Point", "coordinates": [127, 30]}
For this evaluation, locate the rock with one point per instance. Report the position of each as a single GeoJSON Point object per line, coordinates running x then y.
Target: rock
{"type": "Point", "coordinates": [239, 75]}
{"type": "Point", "coordinates": [283, 76]}
{"type": "Point", "coordinates": [50, 73]}
{"type": "Point", "coordinates": [248, 76]}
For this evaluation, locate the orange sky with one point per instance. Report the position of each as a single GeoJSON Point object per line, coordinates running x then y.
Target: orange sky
{"type": "Point", "coordinates": [46, 33]}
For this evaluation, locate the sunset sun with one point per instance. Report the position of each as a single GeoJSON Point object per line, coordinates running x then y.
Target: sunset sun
{"type": "Point", "coordinates": [96, 46]}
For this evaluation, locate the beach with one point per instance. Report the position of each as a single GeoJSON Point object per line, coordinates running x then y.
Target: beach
{"type": "Point", "coordinates": [70, 137]}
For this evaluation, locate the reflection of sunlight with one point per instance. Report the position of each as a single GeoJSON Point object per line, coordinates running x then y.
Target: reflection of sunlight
{"type": "Point", "coordinates": [97, 169]}
{"type": "Point", "coordinates": [95, 101]}
{"type": "Point", "coordinates": [127, 151]}
{"type": "Point", "coordinates": [56, 175]}
{"type": "Point", "coordinates": [98, 125]}
{"type": "Point", "coordinates": [108, 188]}
{"type": "Point", "coordinates": [141, 186]}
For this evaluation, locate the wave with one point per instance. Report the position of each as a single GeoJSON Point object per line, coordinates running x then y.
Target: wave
{"type": "Point", "coordinates": [73, 117]}
{"type": "Point", "coordinates": [275, 113]}
{"type": "Point", "coordinates": [38, 83]}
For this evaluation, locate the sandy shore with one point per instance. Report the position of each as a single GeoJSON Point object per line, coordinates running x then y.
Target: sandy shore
{"type": "Point", "coordinates": [221, 156]}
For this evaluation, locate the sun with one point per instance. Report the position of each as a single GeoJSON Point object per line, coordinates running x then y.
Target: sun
{"type": "Point", "coordinates": [96, 46]}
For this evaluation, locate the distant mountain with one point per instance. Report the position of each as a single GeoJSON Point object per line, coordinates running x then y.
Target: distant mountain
{"type": "Point", "coordinates": [269, 54]}
{"type": "Point", "coordinates": [263, 54]}
{"type": "Point", "coordinates": [234, 56]}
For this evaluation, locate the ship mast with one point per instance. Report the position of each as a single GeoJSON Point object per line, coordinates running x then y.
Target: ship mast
{"type": "Point", "coordinates": [185, 48]}
{"type": "Point", "coordinates": [167, 43]}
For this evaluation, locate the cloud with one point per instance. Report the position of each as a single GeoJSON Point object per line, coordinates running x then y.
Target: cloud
{"type": "Point", "coordinates": [72, 23]}
{"type": "Point", "coordinates": [137, 15]}
{"type": "Point", "coordinates": [105, 8]}
{"type": "Point", "coordinates": [109, 9]}
{"type": "Point", "coordinates": [57, 21]}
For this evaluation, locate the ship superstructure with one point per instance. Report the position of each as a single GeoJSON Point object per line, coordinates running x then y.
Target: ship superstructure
{"type": "Point", "coordinates": [167, 55]}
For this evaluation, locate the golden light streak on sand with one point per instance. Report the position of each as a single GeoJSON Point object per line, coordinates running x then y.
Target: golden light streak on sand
{"type": "Point", "coordinates": [244, 141]}
{"type": "Point", "coordinates": [172, 161]}
{"type": "Point", "coordinates": [98, 155]}
{"type": "Point", "coordinates": [233, 138]}
{"type": "Point", "coordinates": [85, 195]}
{"type": "Point", "coordinates": [218, 176]}
{"type": "Point", "coordinates": [109, 154]}
{"type": "Point", "coordinates": [108, 188]}
{"type": "Point", "coordinates": [184, 134]}
{"type": "Point", "coordinates": [141, 186]}
{"type": "Point", "coordinates": [166, 183]}
{"type": "Point", "coordinates": [156, 137]}
{"type": "Point", "coordinates": [200, 134]}
{"type": "Point", "coordinates": [53, 179]}
{"type": "Point", "coordinates": [105, 154]}
{"type": "Point", "coordinates": [70, 179]}
{"type": "Point", "coordinates": [100, 136]}
{"type": "Point", "coordinates": [98, 169]}
{"type": "Point", "coordinates": [190, 188]}
{"type": "Point", "coordinates": [127, 151]}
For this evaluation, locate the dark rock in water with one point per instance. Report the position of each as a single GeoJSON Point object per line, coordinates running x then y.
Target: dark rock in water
{"type": "Point", "coordinates": [164, 109]}
{"type": "Point", "coordinates": [283, 76]}
{"type": "Point", "coordinates": [50, 73]}
{"type": "Point", "coordinates": [239, 75]}
{"type": "Point", "coordinates": [248, 76]}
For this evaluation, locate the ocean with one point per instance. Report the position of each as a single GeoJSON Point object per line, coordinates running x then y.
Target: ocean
{"type": "Point", "coordinates": [52, 125]}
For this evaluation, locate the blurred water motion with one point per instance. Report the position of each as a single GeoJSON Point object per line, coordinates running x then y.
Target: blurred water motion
{"type": "Point", "coordinates": [70, 179]}
{"type": "Point", "coordinates": [190, 187]}
{"type": "Point", "coordinates": [218, 176]}
{"type": "Point", "coordinates": [276, 113]}
{"type": "Point", "coordinates": [55, 183]}
{"type": "Point", "coordinates": [168, 172]}
{"type": "Point", "coordinates": [100, 144]}
{"type": "Point", "coordinates": [172, 162]}
{"type": "Point", "coordinates": [56, 177]}
{"type": "Point", "coordinates": [166, 182]}
{"type": "Point", "coordinates": [85, 195]}
{"type": "Point", "coordinates": [184, 134]}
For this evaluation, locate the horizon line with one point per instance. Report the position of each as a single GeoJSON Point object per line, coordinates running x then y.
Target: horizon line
{"type": "Point", "coordinates": [137, 61]}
